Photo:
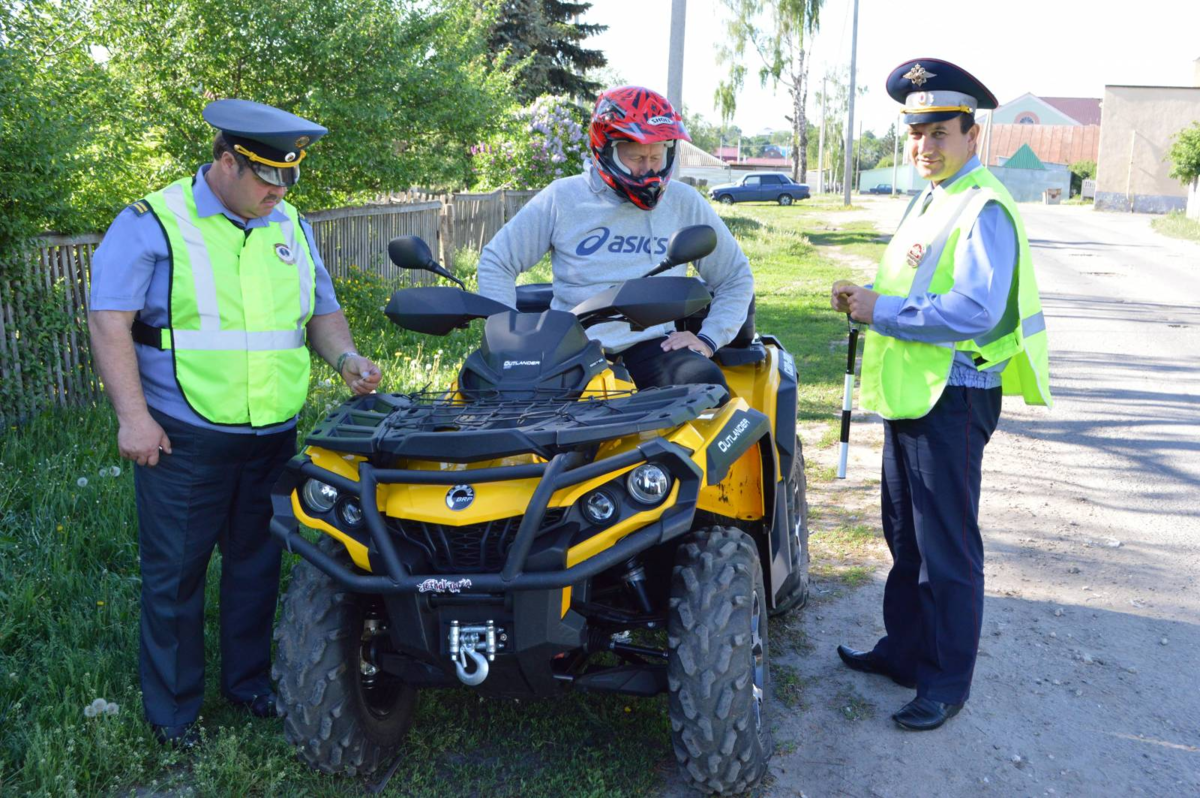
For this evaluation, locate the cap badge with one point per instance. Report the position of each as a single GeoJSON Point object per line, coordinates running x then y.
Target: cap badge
{"type": "Point", "coordinates": [291, 156]}
{"type": "Point", "coordinates": [285, 254]}
{"type": "Point", "coordinates": [919, 75]}
{"type": "Point", "coordinates": [915, 253]}
{"type": "Point", "coordinates": [302, 142]}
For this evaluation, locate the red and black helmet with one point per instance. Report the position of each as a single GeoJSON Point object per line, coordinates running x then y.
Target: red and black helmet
{"type": "Point", "coordinates": [632, 113]}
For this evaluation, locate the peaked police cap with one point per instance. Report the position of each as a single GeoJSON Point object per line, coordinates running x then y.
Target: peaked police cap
{"type": "Point", "coordinates": [932, 90]}
{"type": "Point", "coordinates": [262, 133]}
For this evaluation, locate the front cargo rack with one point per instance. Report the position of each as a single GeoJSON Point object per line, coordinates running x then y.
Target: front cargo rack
{"type": "Point", "coordinates": [426, 425]}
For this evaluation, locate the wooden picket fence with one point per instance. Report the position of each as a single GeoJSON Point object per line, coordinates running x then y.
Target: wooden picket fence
{"type": "Point", "coordinates": [44, 308]}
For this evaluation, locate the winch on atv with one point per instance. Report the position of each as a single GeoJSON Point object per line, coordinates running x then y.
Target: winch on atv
{"type": "Point", "coordinates": [516, 532]}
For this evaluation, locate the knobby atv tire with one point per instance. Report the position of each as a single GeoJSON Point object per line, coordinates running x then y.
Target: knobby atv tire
{"type": "Point", "coordinates": [719, 735]}
{"type": "Point", "coordinates": [337, 726]}
{"type": "Point", "coordinates": [796, 588]}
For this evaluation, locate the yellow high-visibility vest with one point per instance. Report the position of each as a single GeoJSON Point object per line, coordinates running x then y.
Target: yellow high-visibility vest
{"type": "Point", "coordinates": [240, 300]}
{"type": "Point", "coordinates": [905, 379]}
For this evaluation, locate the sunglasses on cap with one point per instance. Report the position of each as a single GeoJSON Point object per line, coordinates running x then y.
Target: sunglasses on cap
{"type": "Point", "coordinates": [284, 178]}
{"type": "Point", "coordinates": [284, 175]}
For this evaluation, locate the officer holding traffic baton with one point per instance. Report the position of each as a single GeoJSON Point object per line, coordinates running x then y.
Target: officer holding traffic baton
{"type": "Point", "coordinates": [955, 323]}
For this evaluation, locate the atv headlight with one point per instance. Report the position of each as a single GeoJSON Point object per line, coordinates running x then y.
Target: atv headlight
{"type": "Point", "coordinates": [649, 483]}
{"type": "Point", "coordinates": [319, 496]}
{"type": "Point", "coordinates": [350, 511]}
{"type": "Point", "coordinates": [599, 507]}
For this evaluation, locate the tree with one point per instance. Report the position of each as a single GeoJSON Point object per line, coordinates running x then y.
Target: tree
{"type": "Point", "coordinates": [776, 31]}
{"type": "Point", "coordinates": [404, 86]}
{"type": "Point", "coordinates": [1185, 154]}
{"type": "Point", "coordinates": [705, 134]}
{"type": "Point", "coordinates": [60, 133]}
{"type": "Point", "coordinates": [541, 42]}
{"type": "Point", "coordinates": [1080, 171]}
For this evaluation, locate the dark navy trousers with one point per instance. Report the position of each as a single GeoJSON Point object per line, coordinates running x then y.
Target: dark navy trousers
{"type": "Point", "coordinates": [650, 367]}
{"type": "Point", "coordinates": [213, 490]}
{"type": "Point", "coordinates": [933, 600]}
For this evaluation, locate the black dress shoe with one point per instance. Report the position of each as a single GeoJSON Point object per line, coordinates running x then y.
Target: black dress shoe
{"type": "Point", "coordinates": [870, 662]}
{"type": "Point", "coordinates": [260, 706]}
{"type": "Point", "coordinates": [185, 736]}
{"type": "Point", "coordinates": [922, 714]}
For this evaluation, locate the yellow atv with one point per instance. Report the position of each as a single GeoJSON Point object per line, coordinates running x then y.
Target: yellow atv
{"type": "Point", "coordinates": [534, 528]}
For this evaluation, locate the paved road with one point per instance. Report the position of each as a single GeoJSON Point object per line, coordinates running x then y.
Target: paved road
{"type": "Point", "coordinates": [1088, 681]}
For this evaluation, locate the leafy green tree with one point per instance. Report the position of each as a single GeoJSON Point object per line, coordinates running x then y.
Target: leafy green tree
{"type": "Point", "coordinates": [60, 137]}
{"type": "Point", "coordinates": [1080, 171]}
{"type": "Point", "coordinates": [705, 134]}
{"type": "Point", "coordinates": [540, 40]}
{"type": "Point", "coordinates": [1185, 154]}
{"type": "Point", "coordinates": [776, 31]}
{"type": "Point", "coordinates": [404, 86]}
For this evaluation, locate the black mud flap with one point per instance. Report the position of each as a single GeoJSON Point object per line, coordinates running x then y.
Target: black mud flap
{"type": "Point", "coordinates": [742, 431]}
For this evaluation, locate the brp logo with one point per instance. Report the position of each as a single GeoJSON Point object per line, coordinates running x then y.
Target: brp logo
{"type": "Point", "coordinates": [460, 497]}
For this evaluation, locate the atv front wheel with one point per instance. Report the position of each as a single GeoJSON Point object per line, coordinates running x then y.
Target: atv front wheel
{"type": "Point", "coordinates": [344, 714]}
{"type": "Point", "coordinates": [795, 593]}
{"type": "Point", "coordinates": [717, 666]}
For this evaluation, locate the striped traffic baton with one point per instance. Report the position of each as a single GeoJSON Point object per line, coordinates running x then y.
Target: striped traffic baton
{"type": "Point", "coordinates": [847, 398]}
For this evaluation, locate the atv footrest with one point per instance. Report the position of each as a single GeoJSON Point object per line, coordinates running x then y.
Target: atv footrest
{"type": "Point", "coordinates": [643, 680]}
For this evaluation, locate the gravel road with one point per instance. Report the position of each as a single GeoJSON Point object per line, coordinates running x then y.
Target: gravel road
{"type": "Point", "coordinates": [1088, 680]}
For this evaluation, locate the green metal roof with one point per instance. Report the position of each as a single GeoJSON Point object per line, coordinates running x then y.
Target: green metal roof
{"type": "Point", "coordinates": [1024, 159]}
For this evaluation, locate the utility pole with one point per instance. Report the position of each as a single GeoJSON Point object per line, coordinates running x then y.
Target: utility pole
{"type": "Point", "coordinates": [821, 144]}
{"type": "Point", "coordinates": [850, 109]}
{"type": "Point", "coordinates": [675, 60]}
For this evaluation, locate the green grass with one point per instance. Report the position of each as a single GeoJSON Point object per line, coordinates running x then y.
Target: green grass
{"type": "Point", "coordinates": [69, 594]}
{"type": "Point", "coordinates": [1177, 225]}
{"type": "Point", "coordinates": [788, 685]}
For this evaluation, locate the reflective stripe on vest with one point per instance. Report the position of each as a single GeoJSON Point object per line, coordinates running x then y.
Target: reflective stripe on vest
{"type": "Point", "coordinates": [904, 379]}
{"type": "Point", "coordinates": [240, 301]}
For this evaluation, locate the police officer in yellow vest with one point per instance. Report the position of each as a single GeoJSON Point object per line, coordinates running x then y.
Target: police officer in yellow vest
{"type": "Point", "coordinates": [956, 323]}
{"type": "Point", "coordinates": [206, 297]}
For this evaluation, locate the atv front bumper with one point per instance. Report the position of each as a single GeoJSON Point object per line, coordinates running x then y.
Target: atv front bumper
{"type": "Point", "coordinates": [563, 470]}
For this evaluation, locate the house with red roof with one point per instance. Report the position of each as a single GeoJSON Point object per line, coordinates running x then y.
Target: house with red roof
{"type": "Point", "coordinates": [1059, 130]}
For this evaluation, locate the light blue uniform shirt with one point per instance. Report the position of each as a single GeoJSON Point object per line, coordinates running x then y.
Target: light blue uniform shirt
{"type": "Point", "coordinates": [131, 270]}
{"type": "Point", "coordinates": [974, 305]}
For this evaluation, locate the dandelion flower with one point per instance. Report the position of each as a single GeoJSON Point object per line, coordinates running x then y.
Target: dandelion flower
{"type": "Point", "coordinates": [115, 471]}
{"type": "Point", "coordinates": [99, 704]}
{"type": "Point", "coordinates": [104, 471]}
{"type": "Point", "coordinates": [89, 711]}
{"type": "Point", "coordinates": [112, 709]}
{"type": "Point", "coordinates": [81, 482]}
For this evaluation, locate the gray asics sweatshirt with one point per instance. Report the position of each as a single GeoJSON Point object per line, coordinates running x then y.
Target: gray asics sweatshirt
{"type": "Point", "coordinates": [596, 240]}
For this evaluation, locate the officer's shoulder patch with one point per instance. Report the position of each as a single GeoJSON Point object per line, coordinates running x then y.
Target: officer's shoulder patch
{"type": "Point", "coordinates": [140, 208]}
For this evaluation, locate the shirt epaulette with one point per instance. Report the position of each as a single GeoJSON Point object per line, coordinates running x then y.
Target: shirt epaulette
{"type": "Point", "coordinates": [141, 207]}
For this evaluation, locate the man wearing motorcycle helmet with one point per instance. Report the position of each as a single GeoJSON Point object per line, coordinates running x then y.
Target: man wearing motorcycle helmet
{"type": "Point", "coordinates": [610, 224]}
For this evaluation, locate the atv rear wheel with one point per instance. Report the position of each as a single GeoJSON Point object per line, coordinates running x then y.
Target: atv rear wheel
{"type": "Point", "coordinates": [717, 666]}
{"type": "Point", "coordinates": [796, 588]}
{"type": "Point", "coordinates": [344, 715]}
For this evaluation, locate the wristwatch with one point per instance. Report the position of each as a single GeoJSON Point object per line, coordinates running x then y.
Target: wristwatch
{"type": "Point", "coordinates": [341, 361]}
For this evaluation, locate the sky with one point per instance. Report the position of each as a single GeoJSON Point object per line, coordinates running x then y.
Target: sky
{"type": "Point", "coordinates": [1052, 48]}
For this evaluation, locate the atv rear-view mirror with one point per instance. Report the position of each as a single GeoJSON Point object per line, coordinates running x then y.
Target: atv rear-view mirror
{"type": "Point", "coordinates": [686, 245]}
{"type": "Point", "coordinates": [411, 252]}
